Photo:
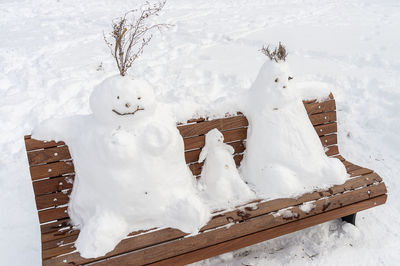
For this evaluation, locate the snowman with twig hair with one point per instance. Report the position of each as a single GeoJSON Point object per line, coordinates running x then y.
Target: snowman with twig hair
{"type": "Point", "coordinates": [130, 168]}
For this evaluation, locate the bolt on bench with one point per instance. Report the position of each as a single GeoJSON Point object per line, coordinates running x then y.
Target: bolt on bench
{"type": "Point", "coordinates": [52, 173]}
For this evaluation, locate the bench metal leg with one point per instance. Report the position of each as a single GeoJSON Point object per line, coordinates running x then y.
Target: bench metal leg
{"type": "Point", "coordinates": [350, 218]}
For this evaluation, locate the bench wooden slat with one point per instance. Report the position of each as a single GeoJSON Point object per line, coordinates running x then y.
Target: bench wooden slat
{"type": "Point", "coordinates": [361, 171]}
{"type": "Point", "coordinates": [328, 140]}
{"type": "Point", "coordinates": [326, 129]}
{"type": "Point", "coordinates": [216, 236]}
{"type": "Point", "coordinates": [271, 233]}
{"type": "Point", "coordinates": [55, 226]}
{"type": "Point", "coordinates": [332, 150]}
{"type": "Point", "coordinates": [221, 124]}
{"type": "Point", "coordinates": [52, 200]}
{"type": "Point", "coordinates": [323, 118]}
{"type": "Point", "coordinates": [321, 107]}
{"type": "Point", "coordinates": [53, 214]}
{"type": "Point", "coordinates": [34, 144]}
{"type": "Point", "coordinates": [229, 136]}
{"type": "Point", "coordinates": [193, 156]}
{"type": "Point", "coordinates": [51, 170]}
{"type": "Point", "coordinates": [237, 216]}
{"type": "Point", "coordinates": [53, 185]}
{"type": "Point", "coordinates": [48, 155]}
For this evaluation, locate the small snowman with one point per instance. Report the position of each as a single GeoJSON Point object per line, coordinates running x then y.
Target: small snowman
{"type": "Point", "coordinates": [220, 180]}
{"type": "Point", "coordinates": [130, 168]}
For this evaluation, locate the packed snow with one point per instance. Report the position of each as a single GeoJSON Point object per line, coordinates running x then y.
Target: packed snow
{"type": "Point", "coordinates": [130, 167]}
{"type": "Point", "coordinates": [52, 54]}
{"type": "Point", "coordinates": [284, 156]}
{"type": "Point", "coordinates": [220, 182]}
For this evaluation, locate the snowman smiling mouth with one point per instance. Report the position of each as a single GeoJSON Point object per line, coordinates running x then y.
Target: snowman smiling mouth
{"type": "Point", "coordinates": [129, 113]}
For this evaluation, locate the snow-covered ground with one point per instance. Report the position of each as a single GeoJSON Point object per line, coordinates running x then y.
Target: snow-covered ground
{"type": "Point", "coordinates": [52, 53]}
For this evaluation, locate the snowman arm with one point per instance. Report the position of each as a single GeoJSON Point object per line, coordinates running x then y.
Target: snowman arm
{"type": "Point", "coordinates": [158, 138]}
{"type": "Point", "coordinates": [52, 129]}
{"type": "Point", "coordinates": [203, 154]}
{"type": "Point", "coordinates": [230, 149]}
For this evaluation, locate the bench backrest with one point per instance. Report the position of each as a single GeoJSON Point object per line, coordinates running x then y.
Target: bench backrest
{"type": "Point", "coordinates": [52, 170]}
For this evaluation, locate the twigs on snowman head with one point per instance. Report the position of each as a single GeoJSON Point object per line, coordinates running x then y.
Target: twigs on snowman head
{"type": "Point", "coordinates": [278, 54]}
{"type": "Point", "coordinates": [131, 33]}
{"type": "Point", "coordinates": [130, 113]}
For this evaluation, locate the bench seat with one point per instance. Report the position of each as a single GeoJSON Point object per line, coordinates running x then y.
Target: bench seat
{"type": "Point", "coordinates": [52, 174]}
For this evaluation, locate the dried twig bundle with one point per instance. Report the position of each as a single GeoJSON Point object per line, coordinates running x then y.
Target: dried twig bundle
{"type": "Point", "coordinates": [278, 54]}
{"type": "Point", "coordinates": [131, 33]}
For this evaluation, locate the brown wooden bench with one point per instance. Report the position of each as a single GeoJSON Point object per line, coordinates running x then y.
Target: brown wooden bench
{"type": "Point", "coordinates": [52, 173]}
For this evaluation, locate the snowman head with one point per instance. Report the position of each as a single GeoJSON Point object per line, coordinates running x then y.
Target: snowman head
{"type": "Point", "coordinates": [120, 99]}
{"type": "Point", "coordinates": [214, 137]}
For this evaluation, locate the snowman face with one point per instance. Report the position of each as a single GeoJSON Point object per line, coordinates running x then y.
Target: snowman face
{"type": "Point", "coordinates": [282, 80]}
{"type": "Point", "coordinates": [279, 76]}
{"type": "Point", "coordinates": [214, 136]}
{"type": "Point", "coordinates": [121, 99]}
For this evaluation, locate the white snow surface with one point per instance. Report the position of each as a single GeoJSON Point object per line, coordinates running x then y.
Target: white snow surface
{"type": "Point", "coordinates": [130, 167]}
{"type": "Point", "coordinates": [52, 54]}
{"type": "Point", "coordinates": [284, 157]}
{"type": "Point", "coordinates": [220, 182]}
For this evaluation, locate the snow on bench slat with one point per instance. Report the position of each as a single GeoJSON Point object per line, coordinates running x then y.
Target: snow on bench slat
{"type": "Point", "coordinates": [212, 237]}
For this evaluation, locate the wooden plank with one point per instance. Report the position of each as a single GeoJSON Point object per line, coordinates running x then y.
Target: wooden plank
{"type": "Point", "coordinates": [53, 184]}
{"type": "Point", "coordinates": [52, 200]}
{"type": "Point", "coordinates": [332, 150]}
{"type": "Point", "coordinates": [48, 155]}
{"type": "Point", "coordinates": [321, 107]}
{"type": "Point", "coordinates": [323, 118]}
{"type": "Point", "coordinates": [222, 124]}
{"type": "Point", "coordinates": [50, 253]}
{"type": "Point", "coordinates": [67, 239]}
{"type": "Point", "coordinates": [326, 129]}
{"type": "Point", "coordinates": [361, 171]}
{"type": "Point", "coordinates": [271, 233]}
{"type": "Point", "coordinates": [229, 136]}
{"type": "Point", "coordinates": [236, 216]}
{"type": "Point", "coordinates": [328, 140]}
{"type": "Point", "coordinates": [34, 144]}
{"type": "Point", "coordinates": [51, 170]}
{"type": "Point", "coordinates": [53, 214]}
{"type": "Point", "coordinates": [55, 226]}
{"type": "Point", "coordinates": [196, 167]}
{"type": "Point", "coordinates": [193, 156]}
{"type": "Point", "coordinates": [59, 234]}
{"type": "Point", "coordinates": [340, 157]}
{"type": "Point", "coordinates": [188, 244]}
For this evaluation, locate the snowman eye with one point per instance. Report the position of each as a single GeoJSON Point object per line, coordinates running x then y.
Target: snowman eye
{"type": "Point", "coordinates": [139, 98]}
{"type": "Point", "coordinates": [276, 80]}
{"type": "Point", "coordinates": [289, 78]}
{"type": "Point", "coordinates": [118, 97]}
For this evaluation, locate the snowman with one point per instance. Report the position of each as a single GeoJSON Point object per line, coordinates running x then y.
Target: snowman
{"type": "Point", "coordinates": [284, 156]}
{"type": "Point", "coordinates": [130, 167]}
{"type": "Point", "coordinates": [220, 180]}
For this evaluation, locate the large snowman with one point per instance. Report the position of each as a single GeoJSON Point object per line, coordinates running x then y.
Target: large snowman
{"type": "Point", "coordinates": [284, 157]}
{"type": "Point", "coordinates": [130, 167]}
